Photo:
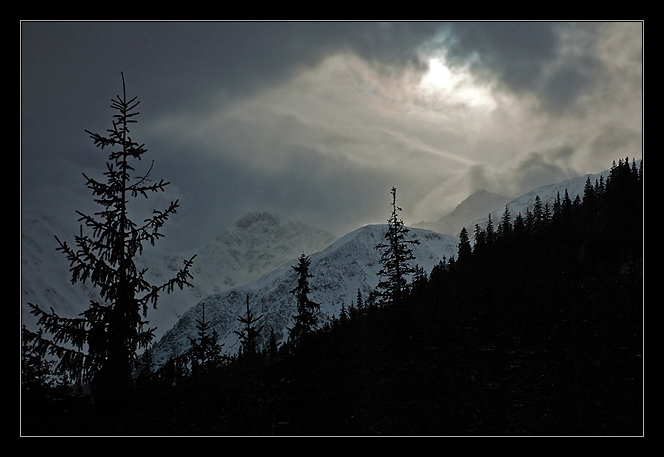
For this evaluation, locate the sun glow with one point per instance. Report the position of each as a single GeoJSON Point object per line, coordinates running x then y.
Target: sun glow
{"type": "Point", "coordinates": [439, 77]}
{"type": "Point", "coordinates": [445, 84]}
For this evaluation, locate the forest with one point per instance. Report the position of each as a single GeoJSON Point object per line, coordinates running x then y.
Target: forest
{"type": "Point", "coordinates": [534, 328]}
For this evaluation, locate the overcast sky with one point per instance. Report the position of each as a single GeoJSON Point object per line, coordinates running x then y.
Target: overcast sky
{"type": "Point", "coordinates": [316, 121]}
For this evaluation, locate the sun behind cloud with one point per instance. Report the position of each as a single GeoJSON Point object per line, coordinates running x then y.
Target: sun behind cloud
{"type": "Point", "coordinates": [455, 86]}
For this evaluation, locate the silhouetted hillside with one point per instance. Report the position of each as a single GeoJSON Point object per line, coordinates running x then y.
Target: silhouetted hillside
{"type": "Point", "coordinates": [536, 329]}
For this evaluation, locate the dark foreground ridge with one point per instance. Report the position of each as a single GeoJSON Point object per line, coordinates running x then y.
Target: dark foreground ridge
{"type": "Point", "coordinates": [535, 330]}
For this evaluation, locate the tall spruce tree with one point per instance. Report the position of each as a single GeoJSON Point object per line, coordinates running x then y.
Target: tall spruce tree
{"type": "Point", "coordinates": [205, 352]}
{"type": "Point", "coordinates": [101, 345]}
{"type": "Point", "coordinates": [248, 336]}
{"type": "Point", "coordinates": [465, 249]}
{"type": "Point", "coordinates": [395, 258]}
{"type": "Point", "coordinates": [305, 319]}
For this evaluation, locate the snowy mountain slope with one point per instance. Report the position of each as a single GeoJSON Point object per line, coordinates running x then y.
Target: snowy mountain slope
{"type": "Point", "coordinates": [253, 246]}
{"type": "Point", "coordinates": [45, 277]}
{"type": "Point", "coordinates": [339, 271]}
{"type": "Point", "coordinates": [476, 206]}
{"type": "Point", "coordinates": [546, 193]}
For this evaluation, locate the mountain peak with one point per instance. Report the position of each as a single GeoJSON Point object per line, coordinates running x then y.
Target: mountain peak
{"type": "Point", "coordinates": [250, 219]}
{"type": "Point", "coordinates": [475, 206]}
{"type": "Point", "coordinates": [258, 243]}
{"type": "Point", "coordinates": [337, 273]}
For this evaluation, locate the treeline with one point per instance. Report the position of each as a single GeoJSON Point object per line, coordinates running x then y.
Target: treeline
{"type": "Point", "coordinates": [555, 297]}
{"type": "Point", "coordinates": [533, 328]}
{"type": "Point", "coordinates": [585, 239]}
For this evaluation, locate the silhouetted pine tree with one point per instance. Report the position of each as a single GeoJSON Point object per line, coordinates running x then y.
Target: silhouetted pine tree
{"type": "Point", "coordinates": [557, 208]}
{"type": "Point", "coordinates": [305, 319]}
{"type": "Point", "coordinates": [465, 250]}
{"type": "Point", "coordinates": [37, 375]}
{"type": "Point", "coordinates": [505, 227]}
{"type": "Point", "coordinates": [395, 258]}
{"type": "Point", "coordinates": [519, 228]}
{"type": "Point", "coordinates": [538, 215]}
{"type": "Point", "coordinates": [205, 352]}
{"type": "Point", "coordinates": [360, 300]}
{"type": "Point", "coordinates": [249, 334]}
{"type": "Point", "coordinates": [101, 345]}
{"type": "Point", "coordinates": [490, 232]}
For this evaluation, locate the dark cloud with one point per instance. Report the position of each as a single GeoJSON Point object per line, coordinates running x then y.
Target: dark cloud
{"type": "Point", "coordinates": [566, 84]}
{"type": "Point", "coordinates": [531, 58]}
{"type": "Point", "coordinates": [516, 53]}
{"type": "Point", "coordinates": [318, 120]}
{"type": "Point", "coordinates": [537, 169]}
{"type": "Point", "coordinates": [618, 139]}
{"type": "Point", "coordinates": [174, 62]}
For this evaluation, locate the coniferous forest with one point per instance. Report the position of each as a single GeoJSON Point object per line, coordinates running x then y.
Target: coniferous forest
{"type": "Point", "coordinates": [535, 327]}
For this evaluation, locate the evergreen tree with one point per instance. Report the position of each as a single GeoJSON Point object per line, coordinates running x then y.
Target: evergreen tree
{"type": "Point", "coordinates": [490, 232]}
{"type": "Point", "coordinates": [566, 207]}
{"type": "Point", "coordinates": [465, 249]}
{"type": "Point", "coordinates": [529, 223]}
{"type": "Point", "coordinates": [505, 227]}
{"type": "Point", "coordinates": [360, 300]}
{"type": "Point", "coordinates": [249, 335]}
{"type": "Point", "coordinates": [589, 196]}
{"type": "Point", "coordinates": [101, 345]}
{"type": "Point", "coordinates": [343, 314]}
{"type": "Point", "coordinates": [420, 280]}
{"type": "Point", "coordinates": [600, 186]}
{"type": "Point", "coordinates": [37, 376]}
{"type": "Point", "coordinates": [395, 257]}
{"type": "Point", "coordinates": [305, 319]}
{"type": "Point", "coordinates": [519, 228]}
{"type": "Point", "coordinates": [480, 237]}
{"type": "Point", "coordinates": [557, 208]}
{"type": "Point", "coordinates": [538, 215]}
{"type": "Point", "coordinates": [547, 214]}
{"type": "Point", "coordinates": [272, 345]}
{"type": "Point", "coordinates": [205, 352]}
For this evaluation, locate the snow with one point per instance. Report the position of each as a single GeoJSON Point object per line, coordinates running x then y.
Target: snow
{"type": "Point", "coordinates": [252, 258]}
{"type": "Point", "coordinates": [338, 272]}
{"type": "Point", "coordinates": [546, 193]}
{"type": "Point", "coordinates": [255, 245]}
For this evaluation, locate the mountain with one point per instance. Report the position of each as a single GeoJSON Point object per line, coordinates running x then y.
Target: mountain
{"type": "Point", "coordinates": [256, 244]}
{"type": "Point", "coordinates": [547, 194]}
{"type": "Point", "coordinates": [339, 271]}
{"type": "Point", "coordinates": [477, 205]}
{"type": "Point", "coordinates": [45, 277]}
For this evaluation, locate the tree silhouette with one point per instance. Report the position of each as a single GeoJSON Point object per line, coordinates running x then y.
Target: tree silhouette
{"type": "Point", "coordinates": [305, 319]}
{"type": "Point", "coordinates": [249, 335]}
{"type": "Point", "coordinates": [465, 250]}
{"type": "Point", "coordinates": [101, 345]}
{"type": "Point", "coordinates": [395, 257]}
{"type": "Point", "coordinates": [205, 351]}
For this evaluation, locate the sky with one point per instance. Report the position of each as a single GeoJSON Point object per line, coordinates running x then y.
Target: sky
{"type": "Point", "coordinates": [317, 121]}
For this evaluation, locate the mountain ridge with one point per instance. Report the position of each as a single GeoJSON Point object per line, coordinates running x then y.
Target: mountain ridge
{"type": "Point", "coordinates": [256, 244]}
{"type": "Point", "coordinates": [349, 264]}
{"type": "Point", "coordinates": [476, 205]}
{"type": "Point", "coordinates": [547, 194]}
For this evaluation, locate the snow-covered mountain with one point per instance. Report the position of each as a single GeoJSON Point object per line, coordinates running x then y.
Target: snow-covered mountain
{"type": "Point", "coordinates": [252, 258]}
{"type": "Point", "coordinates": [339, 271]}
{"type": "Point", "coordinates": [546, 193]}
{"type": "Point", "coordinates": [256, 244]}
{"type": "Point", "coordinates": [476, 206]}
